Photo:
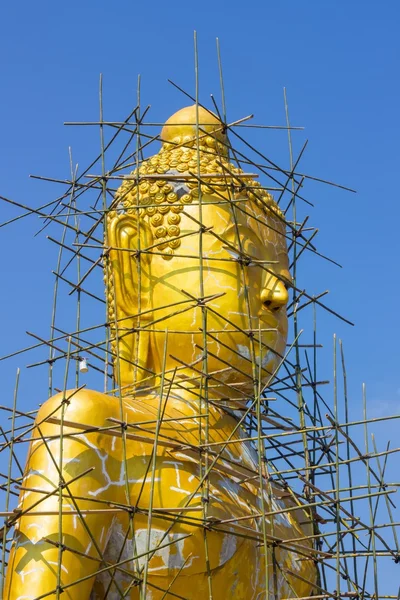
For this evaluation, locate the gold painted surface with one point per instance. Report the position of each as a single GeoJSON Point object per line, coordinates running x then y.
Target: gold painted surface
{"type": "Point", "coordinates": [156, 281]}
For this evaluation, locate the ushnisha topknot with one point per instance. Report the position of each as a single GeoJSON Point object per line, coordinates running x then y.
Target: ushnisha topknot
{"type": "Point", "coordinates": [189, 124]}
{"type": "Point", "coordinates": [190, 139]}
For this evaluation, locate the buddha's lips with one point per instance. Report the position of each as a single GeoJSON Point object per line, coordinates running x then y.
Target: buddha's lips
{"type": "Point", "coordinates": [269, 319]}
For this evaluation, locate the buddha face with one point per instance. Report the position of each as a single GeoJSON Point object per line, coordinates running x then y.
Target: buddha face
{"type": "Point", "coordinates": [245, 319]}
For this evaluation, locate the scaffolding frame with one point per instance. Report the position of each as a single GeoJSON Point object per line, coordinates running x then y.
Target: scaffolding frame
{"type": "Point", "coordinates": [312, 453]}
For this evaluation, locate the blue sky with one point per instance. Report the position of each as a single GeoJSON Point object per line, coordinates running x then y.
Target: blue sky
{"type": "Point", "coordinates": [339, 62]}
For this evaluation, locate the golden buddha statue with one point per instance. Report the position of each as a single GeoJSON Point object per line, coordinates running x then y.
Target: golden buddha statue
{"type": "Point", "coordinates": [153, 492]}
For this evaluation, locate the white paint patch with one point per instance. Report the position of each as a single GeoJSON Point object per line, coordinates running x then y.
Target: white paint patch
{"type": "Point", "coordinates": [228, 549]}
{"type": "Point", "coordinates": [243, 351]}
{"type": "Point", "coordinates": [179, 490]}
{"type": "Point", "coordinates": [88, 548]}
{"type": "Point", "coordinates": [101, 535]}
{"type": "Point", "coordinates": [33, 472]}
{"type": "Point", "coordinates": [171, 556]}
{"type": "Point", "coordinates": [24, 573]}
{"type": "Point", "coordinates": [63, 567]}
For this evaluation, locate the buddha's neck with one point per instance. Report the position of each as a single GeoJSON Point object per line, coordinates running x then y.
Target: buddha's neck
{"type": "Point", "coordinates": [221, 396]}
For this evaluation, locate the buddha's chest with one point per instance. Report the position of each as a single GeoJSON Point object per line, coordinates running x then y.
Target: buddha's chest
{"type": "Point", "coordinates": [172, 543]}
{"type": "Point", "coordinates": [188, 529]}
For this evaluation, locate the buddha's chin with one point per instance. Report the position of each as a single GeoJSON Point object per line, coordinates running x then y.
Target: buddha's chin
{"type": "Point", "coordinates": [248, 375]}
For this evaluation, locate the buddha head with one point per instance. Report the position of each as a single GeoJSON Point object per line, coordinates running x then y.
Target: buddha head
{"type": "Point", "coordinates": [197, 271]}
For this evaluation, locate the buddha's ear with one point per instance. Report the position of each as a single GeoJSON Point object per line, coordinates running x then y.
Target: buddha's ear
{"type": "Point", "coordinates": [127, 235]}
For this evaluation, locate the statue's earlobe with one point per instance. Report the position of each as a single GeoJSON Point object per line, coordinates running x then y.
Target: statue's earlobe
{"type": "Point", "coordinates": [129, 294]}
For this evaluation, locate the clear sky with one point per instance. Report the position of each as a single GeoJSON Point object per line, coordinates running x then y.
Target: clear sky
{"type": "Point", "coordinates": [339, 61]}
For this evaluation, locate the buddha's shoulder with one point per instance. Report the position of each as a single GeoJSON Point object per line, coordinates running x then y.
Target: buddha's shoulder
{"type": "Point", "coordinates": [78, 405]}
{"type": "Point", "coordinates": [91, 406]}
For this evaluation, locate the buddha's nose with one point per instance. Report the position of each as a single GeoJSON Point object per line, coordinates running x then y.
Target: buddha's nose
{"type": "Point", "coordinates": [274, 295]}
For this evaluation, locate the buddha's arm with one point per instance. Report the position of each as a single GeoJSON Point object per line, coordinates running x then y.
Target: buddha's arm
{"type": "Point", "coordinates": [34, 563]}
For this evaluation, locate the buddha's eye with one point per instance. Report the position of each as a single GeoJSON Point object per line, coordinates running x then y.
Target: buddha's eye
{"type": "Point", "coordinates": [251, 249]}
